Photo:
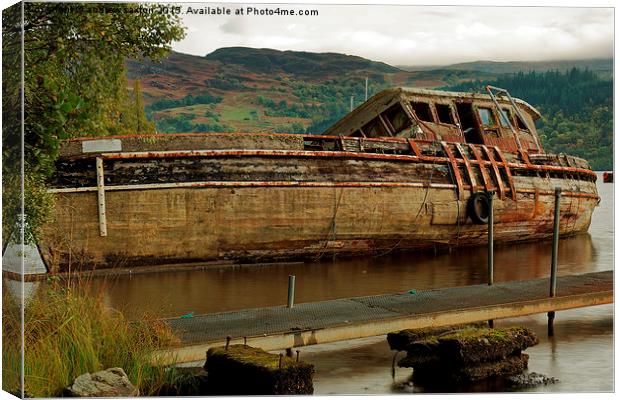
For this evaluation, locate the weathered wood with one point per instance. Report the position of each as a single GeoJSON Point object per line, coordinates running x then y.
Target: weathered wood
{"type": "Point", "coordinates": [101, 198]}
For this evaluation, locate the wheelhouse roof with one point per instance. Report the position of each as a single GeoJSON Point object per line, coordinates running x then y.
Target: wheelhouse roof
{"type": "Point", "coordinates": [413, 91]}
{"type": "Point", "coordinates": [465, 95]}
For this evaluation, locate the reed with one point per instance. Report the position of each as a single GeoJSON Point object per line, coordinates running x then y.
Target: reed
{"type": "Point", "coordinates": [69, 331]}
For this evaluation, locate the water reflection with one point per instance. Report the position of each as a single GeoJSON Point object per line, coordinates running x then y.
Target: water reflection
{"type": "Point", "coordinates": [170, 294]}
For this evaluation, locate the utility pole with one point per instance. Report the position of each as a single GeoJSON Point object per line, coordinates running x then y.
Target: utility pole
{"type": "Point", "coordinates": [351, 103]}
{"type": "Point", "coordinates": [366, 89]}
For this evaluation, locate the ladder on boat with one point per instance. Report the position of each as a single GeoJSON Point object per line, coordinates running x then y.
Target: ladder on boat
{"type": "Point", "coordinates": [484, 167]}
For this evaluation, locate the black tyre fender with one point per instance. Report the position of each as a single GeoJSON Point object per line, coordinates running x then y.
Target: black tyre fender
{"type": "Point", "coordinates": [478, 208]}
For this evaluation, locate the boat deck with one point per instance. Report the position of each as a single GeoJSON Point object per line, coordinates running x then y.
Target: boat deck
{"type": "Point", "coordinates": [344, 319]}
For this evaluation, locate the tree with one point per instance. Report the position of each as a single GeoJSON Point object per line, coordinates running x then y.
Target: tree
{"type": "Point", "coordinates": [74, 75]}
{"type": "Point", "coordinates": [133, 116]}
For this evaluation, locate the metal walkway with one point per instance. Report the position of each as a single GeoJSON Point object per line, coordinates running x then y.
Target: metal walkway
{"type": "Point", "coordinates": [328, 321]}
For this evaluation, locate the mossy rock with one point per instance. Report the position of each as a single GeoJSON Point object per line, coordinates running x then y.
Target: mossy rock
{"type": "Point", "coordinates": [438, 373]}
{"type": "Point", "coordinates": [244, 370]}
{"type": "Point", "coordinates": [470, 354]}
{"type": "Point", "coordinates": [402, 339]}
{"type": "Point", "coordinates": [477, 345]}
{"type": "Point", "coordinates": [422, 353]}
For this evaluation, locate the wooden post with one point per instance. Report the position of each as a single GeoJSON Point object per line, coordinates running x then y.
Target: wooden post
{"type": "Point", "coordinates": [291, 291]}
{"type": "Point", "coordinates": [103, 230]}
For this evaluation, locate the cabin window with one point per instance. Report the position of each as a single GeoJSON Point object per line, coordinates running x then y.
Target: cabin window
{"type": "Point", "coordinates": [444, 113]}
{"type": "Point", "coordinates": [375, 128]}
{"type": "Point", "coordinates": [422, 111]}
{"type": "Point", "coordinates": [505, 121]}
{"type": "Point", "coordinates": [486, 116]}
{"type": "Point", "coordinates": [397, 117]}
{"type": "Point", "coordinates": [521, 124]}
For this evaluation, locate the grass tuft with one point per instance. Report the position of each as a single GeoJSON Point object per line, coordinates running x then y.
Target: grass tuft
{"type": "Point", "coordinates": [69, 331]}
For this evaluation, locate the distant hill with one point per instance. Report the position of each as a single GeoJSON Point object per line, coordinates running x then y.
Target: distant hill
{"type": "Point", "coordinates": [296, 62]}
{"type": "Point", "coordinates": [247, 89]}
{"type": "Point", "coordinates": [603, 65]}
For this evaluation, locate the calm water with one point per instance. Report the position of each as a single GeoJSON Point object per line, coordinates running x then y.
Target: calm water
{"type": "Point", "coordinates": [580, 355]}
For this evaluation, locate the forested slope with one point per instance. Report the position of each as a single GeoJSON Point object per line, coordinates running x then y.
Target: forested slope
{"type": "Point", "coordinates": [577, 108]}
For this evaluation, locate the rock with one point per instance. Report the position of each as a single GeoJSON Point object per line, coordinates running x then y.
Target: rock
{"type": "Point", "coordinates": [469, 346]}
{"type": "Point", "coordinates": [464, 355]}
{"type": "Point", "coordinates": [532, 379]}
{"type": "Point", "coordinates": [421, 353]}
{"type": "Point", "coordinates": [259, 372]}
{"type": "Point", "coordinates": [402, 339]}
{"type": "Point", "coordinates": [478, 345]}
{"type": "Point", "coordinates": [454, 374]}
{"type": "Point", "coordinates": [112, 382]}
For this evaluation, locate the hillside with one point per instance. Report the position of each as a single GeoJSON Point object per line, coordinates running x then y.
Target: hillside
{"type": "Point", "coordinates": [296, 62]}
{"type": "Point", "coordinates": [253, 90]}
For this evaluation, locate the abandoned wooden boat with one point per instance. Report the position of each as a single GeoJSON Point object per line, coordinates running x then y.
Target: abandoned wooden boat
{"type": "Point", "coordinates": [400, 172]}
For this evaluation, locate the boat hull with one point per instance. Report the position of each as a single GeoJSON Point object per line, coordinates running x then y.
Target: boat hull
{"type": "Point", "coordinates": [239, 222]}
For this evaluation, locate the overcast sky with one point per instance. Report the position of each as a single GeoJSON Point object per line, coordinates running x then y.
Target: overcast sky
{"type": "Point", "coordinates": [412, 35]}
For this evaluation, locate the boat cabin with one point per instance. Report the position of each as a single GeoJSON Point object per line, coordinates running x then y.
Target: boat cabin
{"type": "Point", "coordinates": [489, 119]}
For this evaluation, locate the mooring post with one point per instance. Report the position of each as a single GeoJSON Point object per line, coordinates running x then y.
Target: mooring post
{"type": "Point", "coordinates": [490, 239]}
{"type": "Point", "coordinates": [490, 244]}
{"type": "Point", "coordinates": [291, 291]}
{"type": "Point", "coordinates": [550, 318]}
{"type": "Point", "coordinates": [556, 239]}
{"type": "Point", "coordinates": [554, 257]}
